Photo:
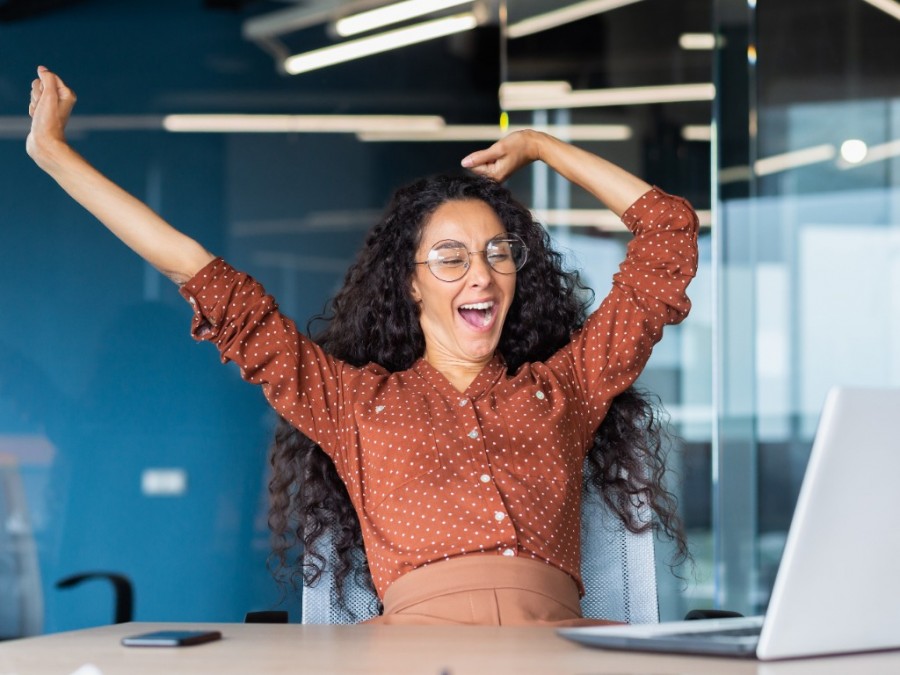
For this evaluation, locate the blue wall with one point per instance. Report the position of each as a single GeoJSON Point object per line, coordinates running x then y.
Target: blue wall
{"type": "Point", "coordinates": [99, 378]}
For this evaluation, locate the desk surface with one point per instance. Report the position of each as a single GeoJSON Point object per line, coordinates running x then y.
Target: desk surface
{"type": "Point", "coordinates": [398, 650]}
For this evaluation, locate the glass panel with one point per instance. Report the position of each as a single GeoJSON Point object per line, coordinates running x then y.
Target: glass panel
{"type": "Point", "coordinates": [809, 244]}
{"type": "Point", "coordinates": [555, 53]}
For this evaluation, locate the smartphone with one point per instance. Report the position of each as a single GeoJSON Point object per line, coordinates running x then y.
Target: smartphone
{"type": "Point", "coordinates": [171, 638]}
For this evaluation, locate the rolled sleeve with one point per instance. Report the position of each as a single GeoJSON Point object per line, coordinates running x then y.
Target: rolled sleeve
{"type": "Point", "coordinates": [648, 292]}
{"type": "Point", "coordinates": [302, 382]}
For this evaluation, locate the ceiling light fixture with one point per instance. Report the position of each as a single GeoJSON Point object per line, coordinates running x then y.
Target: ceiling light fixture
{"type": "Point", "coordinates": [794, 159]}
{"type": "Point", "coordinates": [268, 26]}
{"type": "Point", "coordinates": [697, 41]}
{"type": "Point", "coordinates": [696, 132]}
{"type": "Point", "coordinates": [490, 133]}
{"type": "Point", "coordinates": [601, 219]}
{"type": "Point", "coordinates": [598, 98]}
{"type": "Point", "coordinates": [534, 89]}
{"type": "Point", "coordinates": [853, 150]}
{"type": "Point", "coordinates": [562, 16]}
{"type": "Point", "coordinates": [874, 153]}
{"type": "Point", "coordinates": [376, 44]}
{"type": "Point", "coordinates": [391, 14]}
{"type": "Point", "coordinates": [887, 6]}
{"type": "Point", "coordinates": [323, 124]}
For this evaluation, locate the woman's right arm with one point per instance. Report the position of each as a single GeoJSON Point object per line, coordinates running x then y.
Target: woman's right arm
{"type": "Point", "coordinates": [171, 252]}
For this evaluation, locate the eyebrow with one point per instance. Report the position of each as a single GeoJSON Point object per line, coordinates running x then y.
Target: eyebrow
{"type": "Point", "coordinates": [447, 243]}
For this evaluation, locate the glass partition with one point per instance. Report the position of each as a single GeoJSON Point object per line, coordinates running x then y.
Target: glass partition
{"type": "Point", "coordinates": [807, 251]}
{"type": "Point", "coordinates": [632, 83]}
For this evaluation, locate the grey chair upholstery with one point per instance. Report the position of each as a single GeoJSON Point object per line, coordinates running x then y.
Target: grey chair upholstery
{"type": "Point", "coordinates": [21, 599]}
{"type": "Point", "coordinates": [618, 568]}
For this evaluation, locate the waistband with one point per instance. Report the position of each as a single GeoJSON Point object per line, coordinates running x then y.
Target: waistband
{"type": "Point", "coordinates": [476, 572]}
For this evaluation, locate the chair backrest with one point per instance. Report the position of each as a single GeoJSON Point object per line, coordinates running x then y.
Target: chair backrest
{"type": "Point", "coordinates": [21, 598]}
{"type": "Point", "coordinates": [618, 568]}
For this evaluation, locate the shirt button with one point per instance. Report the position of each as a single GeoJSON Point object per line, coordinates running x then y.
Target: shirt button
{"type": "Point", "coordinates": [499, 515]}
{"type": "Point", "coordinates": [192, 301]}
{"type": "Point", "coordinates": [485, 478]}
{"type": "Point", "coordinates": [463, 401]}
{"type": "Point", "coordinates": [540, 395]}
{"type": "Point", "coordinates": [509, 553]}
{"type": "Point", "coordinates": [473, 434]}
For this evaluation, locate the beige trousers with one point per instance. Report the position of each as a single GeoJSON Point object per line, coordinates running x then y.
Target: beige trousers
{"type": "Point", "coordinates": [484, 590]}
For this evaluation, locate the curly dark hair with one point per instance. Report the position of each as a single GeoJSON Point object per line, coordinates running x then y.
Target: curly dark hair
{"type": "Point", "coordinates": [373, 318]}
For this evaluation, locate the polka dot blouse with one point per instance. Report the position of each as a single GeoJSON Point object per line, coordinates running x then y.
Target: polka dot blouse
{"type": "Point", "coordinates": [434, 473]}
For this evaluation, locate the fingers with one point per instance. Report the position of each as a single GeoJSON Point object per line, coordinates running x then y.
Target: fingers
{"type": "Point", "coordinates": [54, 81]}
{"type": "Point", "coordinates": [36, 90]}
{"type": "Point", "coordinates": [482, 157]}
{"type": "Point", "coordinates": [50, 88]}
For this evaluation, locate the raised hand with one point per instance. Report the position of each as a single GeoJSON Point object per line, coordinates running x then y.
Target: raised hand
{"type": "Point", "coordinates": [612, 185]}
{"type": "Point", "coordinates": [50, 106]}
{"type": "Point", "coordinates": [506, 156]}
{"type": "Point", "coordinates": [174, 254]}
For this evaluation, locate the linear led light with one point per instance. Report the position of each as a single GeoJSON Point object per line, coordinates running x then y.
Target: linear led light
{"type": "Point", "coordinates": [491, 132]}
{"type": "Point", "coordinates": [696, 132]}
{"type": "Point", "coordinates": [794, 159]}
{"type": "Point", "coordinates": [391, 14]}
{"type": "Point", "coordinates": [383, 42]}
{"type": "Point", "coordinates": [735, 174]}
{"type": "Point", "coordinates": [875, 153]}
{"type": "Point", "coordinates": [598, 98]}
{"type": "Point", "coordinates": [300, 123]}
{"type": "Point", "coordinates": [697, 41]}
{"type": "Point", "coordinates": [289, 20]}
{"type": "Point", "coordinates": [534, 89]}
{"type": "Point", "coordinates": [602, 219]}
{"type": "Point", "coordinates": [888, 6]}
{"type": "Point", "coordinates": [562, 16]}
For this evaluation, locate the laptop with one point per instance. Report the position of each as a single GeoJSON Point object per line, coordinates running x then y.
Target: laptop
{"type": "Point", "coordinates": [838, 585]}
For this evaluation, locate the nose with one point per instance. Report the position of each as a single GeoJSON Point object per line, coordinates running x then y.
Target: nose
{"type": "Point", "coordinates": [479, 273]}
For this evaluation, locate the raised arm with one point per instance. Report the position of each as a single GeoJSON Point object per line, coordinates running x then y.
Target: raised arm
{"type": "Point", "coordinates": [171, 252]}
{"type": "Point", "coordinates": [612, 185]}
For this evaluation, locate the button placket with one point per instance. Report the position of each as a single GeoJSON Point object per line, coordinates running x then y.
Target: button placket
{"type": "Point", "coordinates": [495, 508]}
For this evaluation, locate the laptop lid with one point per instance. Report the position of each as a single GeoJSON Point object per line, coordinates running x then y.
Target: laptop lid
{"type": "Point", "coordinates": [837, 589]}
{"type": "Point", "coordinates": [838, 584]}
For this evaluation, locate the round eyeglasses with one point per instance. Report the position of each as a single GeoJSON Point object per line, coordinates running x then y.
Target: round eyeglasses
{"type": "Point", "coordinates": [449, 260]}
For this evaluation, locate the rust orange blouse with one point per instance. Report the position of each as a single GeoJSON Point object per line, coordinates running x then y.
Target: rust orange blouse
{"type": "Point", "coordinates": [434, 473]}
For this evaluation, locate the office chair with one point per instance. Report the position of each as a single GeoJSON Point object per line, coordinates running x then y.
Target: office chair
{"type": "Point", "coordinates": [617, 568]}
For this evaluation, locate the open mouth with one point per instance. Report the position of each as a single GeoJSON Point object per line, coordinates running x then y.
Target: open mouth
{"type": "Point", "coordinates": [477, 314]}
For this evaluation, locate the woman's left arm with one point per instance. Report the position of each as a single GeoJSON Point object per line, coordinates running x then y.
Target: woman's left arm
{"type": "Point", "coordinates": [648, 291]}
{"type": "Point", "coordinates": [614, 186]}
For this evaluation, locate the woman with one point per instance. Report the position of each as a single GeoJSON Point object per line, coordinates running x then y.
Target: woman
{"type": "Point", "coordinates": [454, 401]}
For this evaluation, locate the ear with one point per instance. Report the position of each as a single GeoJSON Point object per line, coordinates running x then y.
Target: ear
{"type": "Point", "coordinates": [414, 290]}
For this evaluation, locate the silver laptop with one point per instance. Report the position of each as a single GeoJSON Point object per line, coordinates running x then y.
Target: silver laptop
{"type": "Point", "coordinates": [838, 585]}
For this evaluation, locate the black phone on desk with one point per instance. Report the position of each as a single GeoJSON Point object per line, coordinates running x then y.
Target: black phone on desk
{"type": "Point", "coordinates": [171, 638]}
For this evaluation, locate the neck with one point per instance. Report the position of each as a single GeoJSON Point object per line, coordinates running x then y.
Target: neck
{"type": "Point", "coordinates": [459, 373]}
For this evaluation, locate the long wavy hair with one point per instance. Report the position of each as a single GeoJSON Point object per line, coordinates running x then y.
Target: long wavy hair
{"type": "Point", "coordinates": [373, 318]}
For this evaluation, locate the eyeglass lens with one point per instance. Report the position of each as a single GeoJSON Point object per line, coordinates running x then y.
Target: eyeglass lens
{"type": "Point", "coordinates": [449, 260]}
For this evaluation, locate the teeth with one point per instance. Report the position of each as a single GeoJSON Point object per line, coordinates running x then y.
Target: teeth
{"type": "Point", "coordinates": [478, 305]}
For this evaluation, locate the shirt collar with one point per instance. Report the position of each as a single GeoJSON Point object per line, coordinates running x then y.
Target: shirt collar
{"type": "Point", "coordinates": [483, 382]}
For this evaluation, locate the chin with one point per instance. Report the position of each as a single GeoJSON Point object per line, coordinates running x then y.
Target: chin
{"type": "Point", "coordinates": [480, 353]}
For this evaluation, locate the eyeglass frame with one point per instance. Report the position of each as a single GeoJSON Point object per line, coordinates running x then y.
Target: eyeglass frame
{"type": "Point", "coordinates": [508, 236]}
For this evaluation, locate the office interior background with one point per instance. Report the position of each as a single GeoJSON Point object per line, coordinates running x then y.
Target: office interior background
{"type": "Point", "coordinates": [128, 448]}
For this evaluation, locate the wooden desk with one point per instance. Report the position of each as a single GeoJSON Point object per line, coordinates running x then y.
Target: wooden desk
{"type": "Point", "coordinates": [251, 649]}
